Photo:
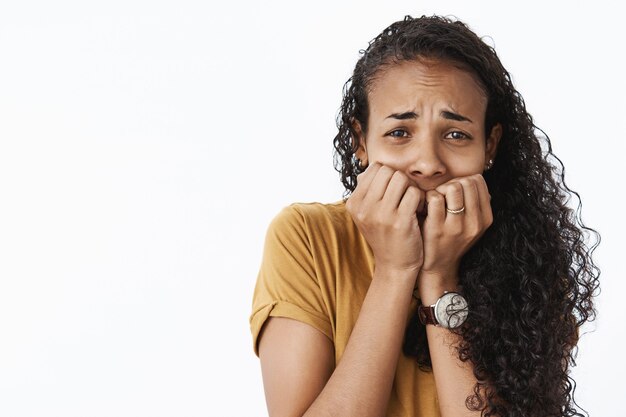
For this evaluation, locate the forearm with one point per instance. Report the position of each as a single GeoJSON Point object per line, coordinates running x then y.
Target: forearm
{"type": "Point", "coordinates": [361, 383]}
{"type": "Point", "coordinates": [454, 379]}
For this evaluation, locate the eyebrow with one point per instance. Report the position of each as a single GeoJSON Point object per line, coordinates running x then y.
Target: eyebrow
{"type": "Point", "coordinates": [403, 116]}
{"type": "Point", "coordinates": [454, 116]}
{"type": "Point", "coordinates": [444, 113]}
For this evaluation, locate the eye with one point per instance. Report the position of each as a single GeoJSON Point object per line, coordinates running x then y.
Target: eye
{"type": "Point", "coordinates": [457, 135]}
{"type": "Point", "coordinates": [398, 133]}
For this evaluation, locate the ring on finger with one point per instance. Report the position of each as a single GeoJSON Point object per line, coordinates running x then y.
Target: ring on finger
{"type": "Point", "coordinates": [458, 211]}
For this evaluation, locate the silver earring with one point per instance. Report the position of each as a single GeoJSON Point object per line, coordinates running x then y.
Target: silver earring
{"type": "Point", "coordinates": [489, 165]}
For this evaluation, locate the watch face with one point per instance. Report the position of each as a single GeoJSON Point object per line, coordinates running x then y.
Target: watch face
{"type": "Point", "coordinates": [451, 310]}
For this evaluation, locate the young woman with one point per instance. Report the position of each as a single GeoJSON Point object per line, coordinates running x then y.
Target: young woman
{"type": "Point", "coordinates": [453, 279]}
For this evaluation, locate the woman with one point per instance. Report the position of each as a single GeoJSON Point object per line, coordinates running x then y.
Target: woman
{"type": "Point", "coordinates": [453, 279]}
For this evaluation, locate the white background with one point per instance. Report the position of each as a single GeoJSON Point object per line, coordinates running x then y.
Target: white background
{"type": "Point", "coordinates": [146, 145]}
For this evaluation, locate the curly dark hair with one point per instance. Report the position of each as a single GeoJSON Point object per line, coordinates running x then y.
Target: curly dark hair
{"type": "Point", "coordinates": [530, 280]}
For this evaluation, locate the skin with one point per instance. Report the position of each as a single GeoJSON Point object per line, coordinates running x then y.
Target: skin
{"type": "Point", "coordinates": [425, 149]}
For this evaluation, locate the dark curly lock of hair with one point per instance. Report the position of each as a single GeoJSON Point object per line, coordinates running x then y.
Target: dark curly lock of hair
{"type": "Point", "coordinates": [530, 280]}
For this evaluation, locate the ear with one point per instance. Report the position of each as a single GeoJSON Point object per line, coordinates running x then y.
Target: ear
{"type": "Point", "coordinates": [361, 150]}
{"type": "Point", "coordinates": [492, 142]}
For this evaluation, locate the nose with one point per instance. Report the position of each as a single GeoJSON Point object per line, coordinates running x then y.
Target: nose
{"type": "Point", "coordinates": [426, 162]}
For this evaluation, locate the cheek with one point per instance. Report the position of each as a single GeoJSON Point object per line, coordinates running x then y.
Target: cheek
{"type": "Point", "coordinates": [399, 161]}
{"type": "Point", "coordinates": [466, 165]}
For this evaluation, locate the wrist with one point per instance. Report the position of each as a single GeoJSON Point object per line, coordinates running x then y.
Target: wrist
{"type": "Point", "coordinates": [394, 274]}
{"type": "Point", "coordinates": [449, 311]}
{"type": "Point", "coordinates": [399, 271]}
{"type": "Point", "coordinates": [431, 285]}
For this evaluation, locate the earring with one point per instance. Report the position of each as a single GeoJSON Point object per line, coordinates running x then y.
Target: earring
{"type": "Point", "coordinates": [489, 165]}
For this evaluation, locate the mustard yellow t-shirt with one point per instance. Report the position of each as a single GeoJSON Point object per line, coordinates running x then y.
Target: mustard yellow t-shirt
{"type": "Point", "coordinates": [316, 269]}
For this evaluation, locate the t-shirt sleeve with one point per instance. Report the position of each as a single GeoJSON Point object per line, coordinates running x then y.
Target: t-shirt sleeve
{"type": "Point", "coordinates": [287, 284]}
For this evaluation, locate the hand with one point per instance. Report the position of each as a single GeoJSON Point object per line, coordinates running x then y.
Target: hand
{"type": "Point", "coordinates": [383, 207]}
{"type": "Point", "coordinates": [448, 236]}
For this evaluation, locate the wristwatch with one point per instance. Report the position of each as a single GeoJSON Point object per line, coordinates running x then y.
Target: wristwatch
{"type": "Point", "coordinates": [450, 311]}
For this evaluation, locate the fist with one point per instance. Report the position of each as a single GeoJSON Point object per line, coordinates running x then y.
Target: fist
{"type": "Point", "coordinates": [383, 206]}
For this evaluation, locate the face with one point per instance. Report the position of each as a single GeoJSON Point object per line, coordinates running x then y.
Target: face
{"type": "Point", "coordinates": [427, 119]}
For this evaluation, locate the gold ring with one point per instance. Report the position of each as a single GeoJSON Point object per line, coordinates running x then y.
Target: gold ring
{"type": "Point", "coordinates": [459, 211]}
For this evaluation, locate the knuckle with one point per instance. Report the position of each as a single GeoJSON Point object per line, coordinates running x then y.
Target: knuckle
{"type": "Point", "coordinates": [466, 182]}
{"type": "Point", "coordinates": [382, 221]}
{"type": "Point", "coordinates": [435, 197]}
{"type": "Point", "coordinates": [480, 180]}
{"type": "Point", "coordinates": [360, 215]}
{"type": "Point", "coordinates": [400, 178]}
{"type": "Point", "coordinates": [385, 170]}
{"type": "Point", "coordinates": [398, 225]}
{"type": "Point", "coordinates": [437, 234]}
{"type": "Point", "coordinates": [440, 189]}
{"type": "Point", "coordinates": [475, 228]}
{"type": "Point", "coordinates": [458, 232]}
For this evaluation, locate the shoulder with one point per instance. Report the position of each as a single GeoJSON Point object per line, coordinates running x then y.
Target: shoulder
{"type": "Point", "coordinates": [314, 230]}
{"type": "Point", "coordinates": [316, 210]}
{"type": "Point", "coordinates": [312, 217]}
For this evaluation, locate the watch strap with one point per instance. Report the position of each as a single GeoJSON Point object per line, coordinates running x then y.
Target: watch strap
{"type": "Point", "coordinates": [426, 315]}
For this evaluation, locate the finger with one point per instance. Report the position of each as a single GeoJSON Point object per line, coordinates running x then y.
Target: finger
{"type": "Point", "coordinates": [453, 193]}
{"type": "Point", "coordinates": [378, 186]}
{"type": "Point", "coordinates": [484, 199]}
{"type": "Point", "coordinates": [470, 196]}
{"type": "Point", "coordinates": [412, 199]}
{"type": "Point", "coordinates": [364, 179]}
{"type": "Point", "coordinates": [396, 188]}
{"type": "Point", "coordinates": [474, 221]}
{"type": "Point", "coordinates": [436, 207]}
